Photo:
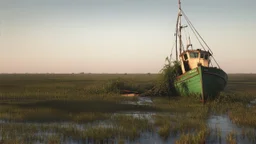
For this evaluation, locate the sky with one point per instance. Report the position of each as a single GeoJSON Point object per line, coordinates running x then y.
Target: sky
{"type": "Point", "coordinates": [119, 36]}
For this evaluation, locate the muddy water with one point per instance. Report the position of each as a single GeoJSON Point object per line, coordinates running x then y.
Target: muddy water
{"type": "Point", "coordinates": [141, 101]}
{"type": "Point", "coordinates": [252, 103]}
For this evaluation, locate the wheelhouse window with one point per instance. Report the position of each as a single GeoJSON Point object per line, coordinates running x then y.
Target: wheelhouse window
{"type": "Point", "coordinates": [193, 54]}
{"type": "Point", "coordinates": [206, 56]}
{"type": "Point", "coordinates": [185, 56]}
{"type": "Point", "coordinates": [201, 55]}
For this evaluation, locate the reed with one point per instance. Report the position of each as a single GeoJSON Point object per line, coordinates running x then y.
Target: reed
{"type": "Point", "coordinates": [198, 137]}
{"type": "Point", "coordinates": [231, 137]}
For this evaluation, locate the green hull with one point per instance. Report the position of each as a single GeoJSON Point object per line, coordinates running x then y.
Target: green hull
{"type": "Point", "coordinates": [202, 82]}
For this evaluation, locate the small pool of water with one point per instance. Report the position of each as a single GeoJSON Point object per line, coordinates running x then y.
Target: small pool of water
{"type": "Point", "coordinates": [221, 126]}
{"type": "Point", "coordinates": [141, 101]}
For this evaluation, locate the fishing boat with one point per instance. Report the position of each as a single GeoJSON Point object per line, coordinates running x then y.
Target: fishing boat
{"type": "Point", "coordinates": [199, 77]}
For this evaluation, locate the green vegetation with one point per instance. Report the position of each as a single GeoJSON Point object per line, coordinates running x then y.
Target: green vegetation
{"type": "Point", "coordinates": [231, 137]}
{"type": "Point", "coordinates": [54, 108]}
{"type": "Point", "coordinates": [164, 86]}
{"type": "Point", "coordinates": [197, 137]}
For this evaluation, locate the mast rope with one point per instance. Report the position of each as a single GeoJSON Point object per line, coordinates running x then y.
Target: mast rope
{"type": "Point", "coordinates": [186, 35]}
{"type": "Point", "coordinates": [182, 45]}
{"type": "Point", "coordinates": [172, 50]}
{"type": "Point", "coordinates": [192, 26]}
{"type": "Point", "coordinates": [197, 34]}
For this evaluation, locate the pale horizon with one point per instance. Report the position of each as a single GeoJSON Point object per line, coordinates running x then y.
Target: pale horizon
{"type": "Point", "coordinates": [119, 36]}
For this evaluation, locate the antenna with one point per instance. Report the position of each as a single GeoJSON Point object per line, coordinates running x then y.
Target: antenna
{"type": "Point", "coordinates": [189, 43]}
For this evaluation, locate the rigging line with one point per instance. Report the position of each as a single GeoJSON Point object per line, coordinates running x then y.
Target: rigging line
{"type": "Point", "coordinates": [215, 61]}
{"type": "Point", "coordinates": [212, 64]}
{"type": "Point", "coordinates": [174, 43]}
{"type": "Point", "coordinates": [189, 38]}
{"type": "Point", "coordinates": [196, 31]}
{"type": "Point", "coordinates": [193, 28]}
{"type": "Point", "coordinates": [172, 48]}
{"type": "Point", "coordinates": [186, 35]}
{"type": "Point", "coordinates": [182, 44]}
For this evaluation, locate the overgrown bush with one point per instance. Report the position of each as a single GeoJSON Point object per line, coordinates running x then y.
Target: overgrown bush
{"type": "Point", "coordinates": [165, 84]}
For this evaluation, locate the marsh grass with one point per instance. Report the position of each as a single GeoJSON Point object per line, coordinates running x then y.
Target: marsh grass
{"type": "Point", "coordinates": [217, 134]}
{"type": "Point", "coordinates": [250, 134]}
{"type": "Point", "coordinates": [93, 98]}
{"type": "Point", "coordinates": [54, 139]}
{"type": "Point", "coordinates": [236, 106]}
{"type": "Point", "coordinates": [131, 126]}
{"type": "Point", "coordinates": [78, 111]}
{"type": "Point", "coordinates": [244, 116]}
{"type": "Point", "coordinates": [232, 137]}
{"type": "Point", "coordinates": [118, 126]}
{"type": "Point", "coordinates": [186, 116]}
{"type": "Point", "coordinates": [62, 97]}
{"type": "Point", "coordinates": [163, 123]}
{"type": "Point", "coordinates": [90, 117]}
{"type": "Point", "coordinates": [55, 87]}
{"type": "Point", "coordinates": [121, 126]}
{"type": "Point", "coordinates": [198, 137]}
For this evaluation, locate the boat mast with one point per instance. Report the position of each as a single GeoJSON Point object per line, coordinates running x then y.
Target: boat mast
{"type": "Point", "coordinates": [178, 31]}
{"type": "Point", "coordinates": [180, 41]}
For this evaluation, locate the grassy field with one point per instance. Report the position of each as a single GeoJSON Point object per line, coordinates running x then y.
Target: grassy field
{"type": "Point", "coordinates": [43, 103]}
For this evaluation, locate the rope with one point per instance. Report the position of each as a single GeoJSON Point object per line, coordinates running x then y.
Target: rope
{"type": "Point", "coordinates": [182, 45]}
{"type": "Point", "coordinates": [186, 35]}
{"type": "Point", "coordinates": [196, 30]}
{"type": "Point", "coordinates": [172, 49]}
{"type": "Point", "coordinates": [190, 24]}
{"type": "Point", "coordinates": [196, 33]}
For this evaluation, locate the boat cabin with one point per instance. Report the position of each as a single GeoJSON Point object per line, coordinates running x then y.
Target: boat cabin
{"type": "Point", "coordinates": [191, 59]}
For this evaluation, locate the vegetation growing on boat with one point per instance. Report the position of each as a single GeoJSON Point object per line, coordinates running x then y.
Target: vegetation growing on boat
{"type": "Point", "coordinates": [165, 83]}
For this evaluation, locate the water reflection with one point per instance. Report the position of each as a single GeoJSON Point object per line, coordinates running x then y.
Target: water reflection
{"type": "Point", "coordinates": [141, 101]}
{"type": "Point", "coordinates": [222, 126]}
{"type": "Point", "coordinates": [219, 125]}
